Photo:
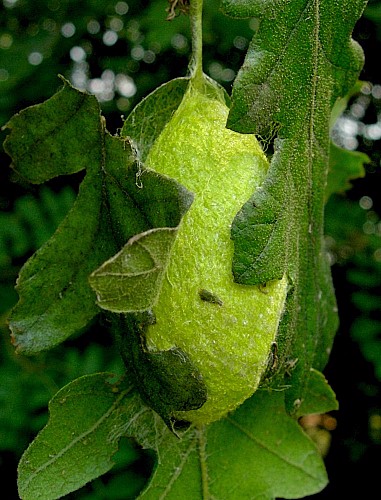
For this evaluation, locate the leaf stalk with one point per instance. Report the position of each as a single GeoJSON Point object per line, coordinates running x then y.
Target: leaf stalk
{"type": "Point", "coordinates": [195, 14]}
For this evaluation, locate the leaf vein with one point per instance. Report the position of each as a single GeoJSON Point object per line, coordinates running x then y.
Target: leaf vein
{"type": "Point", "coordinates": [180, 468]}
{"type": "Point", "coordinates": [54, 131]}
{"type": "Point", "coordinates": [268, 449]}
{"type": "Point", "coordinates": [80, 437]}
{"type": "Point", "coordinates": [203, 463]}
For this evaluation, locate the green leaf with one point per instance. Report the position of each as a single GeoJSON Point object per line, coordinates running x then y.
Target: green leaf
{"type": "Point", "coordinates": [87, 419]}
{"type": "Point", "coordinates": [117, 200]}
{"type": "Point", "coordinates": [144, 124]}
{"type": "Point", "coordinates": [50, 136]}
{"type": "Point", "coordinates": [259, 229]}
{"type": "Point", "coordinates": [167, 380]}
{"type": "Point", "coordinates": [344, 166]}
{"type": "Point", "coordinates": [130, 281]}
{"type": "Point", "coordinates": [257, 452]}
{"type": "Point", "coordinates": [342, 102]}
{"type": "Point", "coordinates": [299, 63]}
{"type": "Point", "coordinates": [320, 397]}
{"type": "Point", "coordinates": [309, 40]}
{"type": "Point", "coordinates": [268, 456]}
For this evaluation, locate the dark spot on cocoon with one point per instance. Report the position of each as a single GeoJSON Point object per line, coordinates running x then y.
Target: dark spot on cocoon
{"type": "Point", "coordinates": [207, 296]}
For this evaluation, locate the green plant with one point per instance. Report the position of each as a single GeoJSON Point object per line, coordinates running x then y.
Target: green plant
{"type": "Point", "coordinates": [359, 247]}
{"type": "Point", "coordinates": [300, 63]}
{"type": "Point", "coordinates": [24, 229]}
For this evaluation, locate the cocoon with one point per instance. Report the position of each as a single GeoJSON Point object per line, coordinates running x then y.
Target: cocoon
{"type": "Point", "coordinates": [225, 328]}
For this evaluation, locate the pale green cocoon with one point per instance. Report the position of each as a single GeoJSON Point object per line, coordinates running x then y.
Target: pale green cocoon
{"type": "Point", "coordinates": [228, 335]}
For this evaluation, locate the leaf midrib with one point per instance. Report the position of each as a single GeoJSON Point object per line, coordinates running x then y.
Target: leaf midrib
{"type": "Point", "coordinates": [80, 437]}
{"type": "Point", "coordinates": [179, 468]}
{"type": "Point", "coordinates": [268, 449]}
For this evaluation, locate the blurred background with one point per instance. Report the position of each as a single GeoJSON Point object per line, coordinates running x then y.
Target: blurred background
{"type": "Point", "coordinates": [120, 51]}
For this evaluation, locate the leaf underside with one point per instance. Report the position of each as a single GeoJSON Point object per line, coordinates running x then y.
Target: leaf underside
{"type": "Point", "coordinates": [115, 241]}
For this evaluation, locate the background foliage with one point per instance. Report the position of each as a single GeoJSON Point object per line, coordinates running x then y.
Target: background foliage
{"type": "Point", "coordinates": [120, 51]}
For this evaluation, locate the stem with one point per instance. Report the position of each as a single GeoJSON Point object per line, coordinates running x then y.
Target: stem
{"type": "Point", "coordinates": [195, 14]}
{"type": "Point", "coordinates": [200, 433]}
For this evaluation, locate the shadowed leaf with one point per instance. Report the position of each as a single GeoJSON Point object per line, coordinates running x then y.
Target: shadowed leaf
{"type": "Point", "coordinates": [117, 200]}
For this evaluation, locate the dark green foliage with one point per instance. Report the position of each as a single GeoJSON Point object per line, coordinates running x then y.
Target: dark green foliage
{"type": "Point", "coordinates": [28, 226]}
{"type": "Point", "coordinates": [25, 229]}
{"type": "Point", "coordinates": [154, 372]}
{"type": "Point", "coordinates": [356, 243]}
{"type": "Point", "coordinates": [205, 464]}
{"type": "Point", "coordinates": [112, 207]}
